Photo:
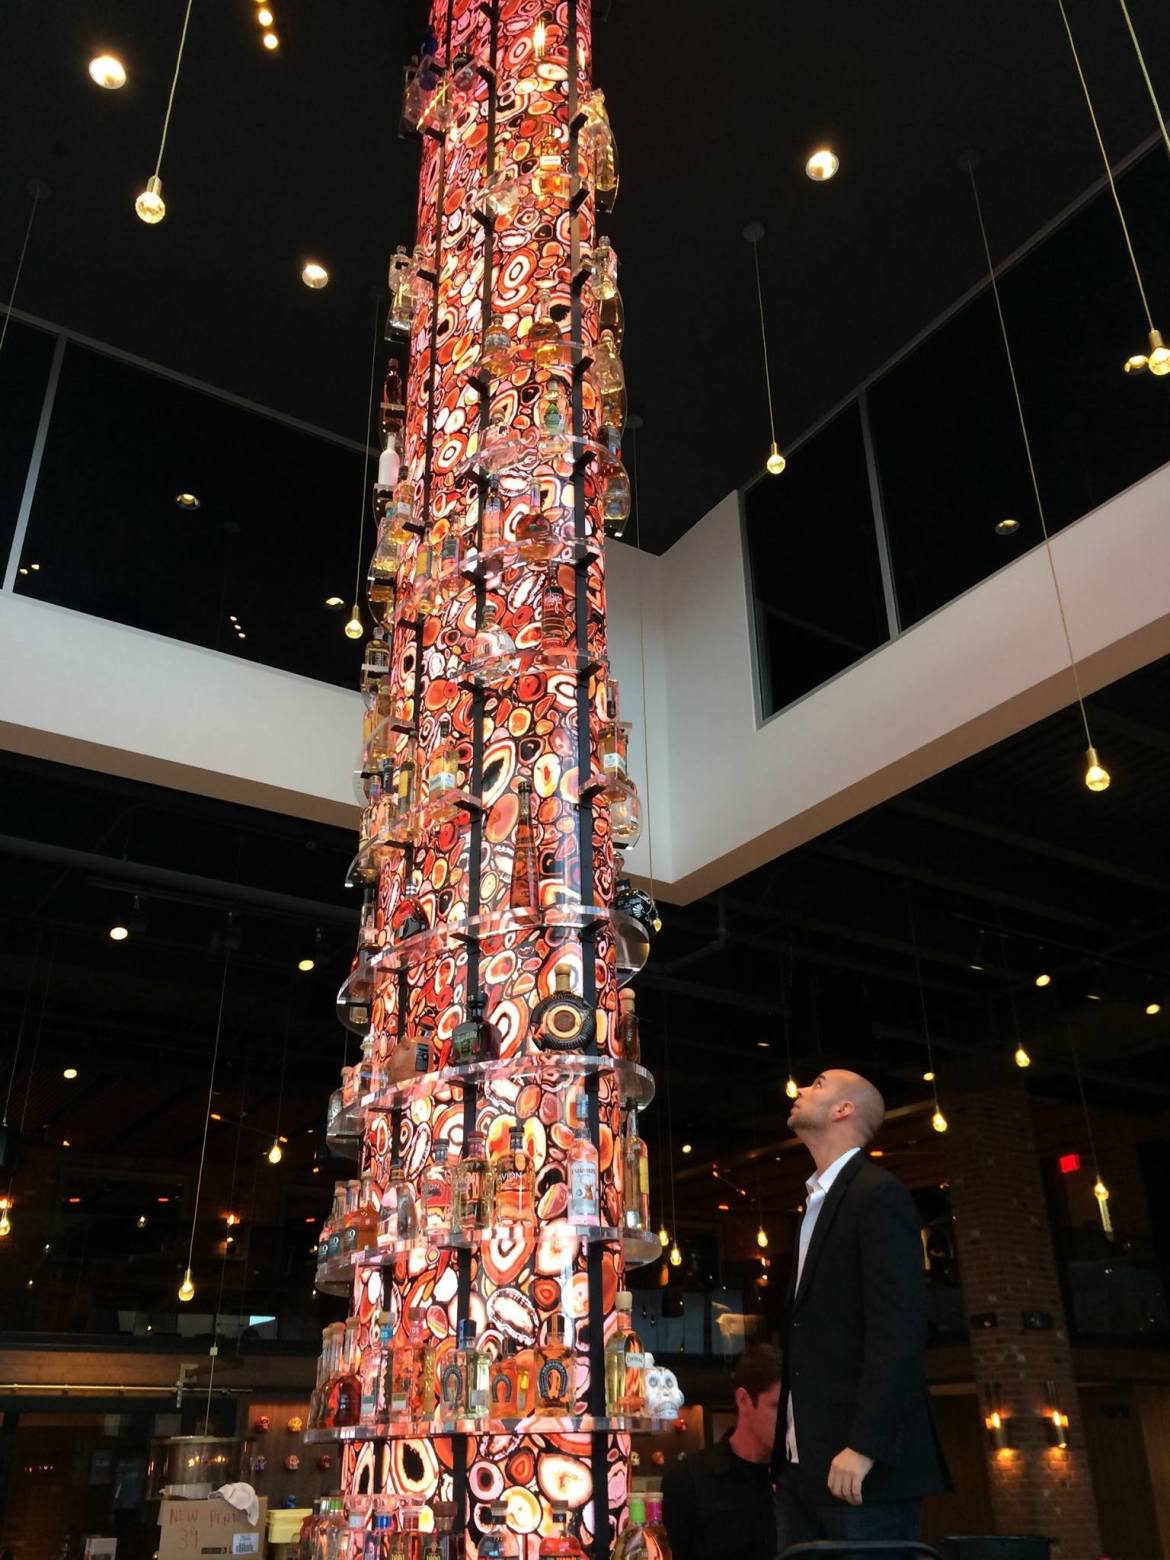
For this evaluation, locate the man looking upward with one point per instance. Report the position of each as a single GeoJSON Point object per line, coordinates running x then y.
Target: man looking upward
{"type": "Point", "coordinates": [856, 1448]}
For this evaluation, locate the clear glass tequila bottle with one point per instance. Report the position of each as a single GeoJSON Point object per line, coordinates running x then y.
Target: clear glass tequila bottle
{"type": "Point", "coordinates": [469, 1209]}
{"type": "Point", "coordinates": [524, 889]}
{"type": "Point", "coordinates": [513, 1189]}
{"type": "Point", "coordinates": [625, 1363]}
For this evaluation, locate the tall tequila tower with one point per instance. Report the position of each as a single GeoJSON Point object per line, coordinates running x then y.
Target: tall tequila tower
{"type": "Point", "coordinates": [485, 988]}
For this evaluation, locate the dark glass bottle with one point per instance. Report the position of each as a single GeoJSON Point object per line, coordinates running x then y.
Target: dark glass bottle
{"type": "Point", "coordinates": [563, 1021]}
{"type": "Point", "coordinates": [474, 1040]}
{"type": "Point", "coordinates": [524, 893]}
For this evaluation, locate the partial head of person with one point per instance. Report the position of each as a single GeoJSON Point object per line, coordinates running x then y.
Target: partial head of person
{"type": "Point", "coordinates": [756, 1383]}
{"type": "Point", "coordinates": [838, 1109]}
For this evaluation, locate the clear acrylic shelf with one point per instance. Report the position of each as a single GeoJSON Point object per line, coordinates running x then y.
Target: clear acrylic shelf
{"type": "Point", "coordinates": [496, 669]}
{"type": "Point", "coordinates": [531, 1424]}
{"type": "Point", "coordinates": [635, 1083]}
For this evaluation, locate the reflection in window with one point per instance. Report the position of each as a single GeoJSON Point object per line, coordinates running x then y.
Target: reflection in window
{"type": "Point", "coordinates": [274, 533]}
{"type": "Point", "coordinates": [814, 564]}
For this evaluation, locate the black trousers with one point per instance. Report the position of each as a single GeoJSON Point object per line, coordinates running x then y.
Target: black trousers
{"type": "Point", "coordinates": [798, 1520]}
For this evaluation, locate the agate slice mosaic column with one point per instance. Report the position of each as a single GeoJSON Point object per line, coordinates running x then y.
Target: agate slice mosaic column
{"type": "Point", "coordinates": [496, 679]}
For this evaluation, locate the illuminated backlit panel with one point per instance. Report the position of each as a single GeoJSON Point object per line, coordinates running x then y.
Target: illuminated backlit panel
{"type": "Point", "coordinates": [464, 431]}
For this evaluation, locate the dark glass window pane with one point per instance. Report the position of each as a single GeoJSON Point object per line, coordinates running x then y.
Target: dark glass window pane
{"type": "Point", "coordinates": [275, 533]}
{"type": "Point", "coordinates": [952, 463]}
{"type": "Point", "coordinates": [814, 620]}
{"type": "Point", "coordinates": [24, 373]}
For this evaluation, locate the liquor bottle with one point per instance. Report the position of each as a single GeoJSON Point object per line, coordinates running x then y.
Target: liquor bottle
{"type": "Point", "coordinates": [562, 1542]}
{"type": "Point", "coordinates": [402, 298]}
{"type": "Point", "coordinates": [404, 786]}
{"type": "Point", "coordinates": [440, 1543]}
{"type": "Point", "coordinates": [497, 343]}
{"type": "Point", "coordinates": [318, 1396]}
{"type": "Point", "coordinates": [513, 1189]}
{"type": "Point", "coordinates": [452, 1382]}
{"type": "Point", "coordinates": [625, 811]}
{"type": "Point", "coordinates": [409, 1059]}
{"type": "Point", "coordinates": [406, 1536]}
{"type": "Point", "coordinates": [610, 748]}
{"type": "Point", "coordinates": [635, 1177]}
{"type": "Point", "coordinates": [598, 149]}
{"type": "Point", "coordinates": [656, 1527]}
{"type": "Point", "coordinates": [614, 483]}
{"type": "Point", "coordinates": [475, 1039]}
{"type": "Point", "coordinates": [502, 194]}
{"type": "Point", "coordinates": [374, 1361]}
{"type": "Point", "coordinates": [555, 1390]}
{"type": "Point", "coordinates": [563, 1021]}
{"type": "Point", "coordinates": [336, 1221]}
{"type": "Point", "coordinates": [634, 902]}
{"type": "Point", "coordinates": [584, 1174]}
{"type": "Point", "coordinates": [414, 102]}
{"type": "Point", "coordinates": [347, 1394]}
{"type": "Point", "coordinates": [365, 1224]}
{"type": "Point", "coordinates": [495, 649]}
{"type": "Point", "coordinates": [393, 408]}
{"type": "Point", "coordinates": [553, 413]}
{"type": "Point", "coordinates": [404, 501]}
{"type": "Point", "coordinates": [545, 339]}
{"type": "Point", "coordinates": [625, 1364]}
{"type": "Point", "coordinates": [469, 1187]}
{"type": "Point", "coordinates": [405, 1360]}
{"type": "Point", "coordinates": [496, 1542]}
{"type": "Point", "coordinates": [641, 1539]}
{"type": "Point", "coordinates": [402, 1207]}
{"type": "Point", "coordinates": [606, 371]}
{"type": "Point", "coordinates": [389, 470]}
{"type": "Point", "coordinates": [353, 1193]}
{"type": "Point", "coordinates": [603, 270]}
{"type": "Point", "coordinates": [524, 890]}
{"type": "Point", "coordinates": [537, 538]}
{"type": "Point", "coordinates": [409, 917]}
{"type": "Point", "coordinates": [443, 763]}
{"type": "Point", "coordinates": [434, 1192]}
{"type": "Point", "coordinates": [611, 316]}
{"type": "Point", "coordinates": [550, 177]}
{"type": "Point", "coordinates": [503, 1385]}
{"type": "Point", "coordinates": [378, 1539]}
{"type": "Point", "coordinates": [332, 1528]}
{"type": "Point", "coordinates": [375, 661]}
{"type": "Point", "coordinates": [477, 1374]}
{"type": "Point", "coordinates": [491, 524]}
{"type": "Point", "coordinates": [629, 1045]}
{"type": "Point", "coordinates": [555, 625]}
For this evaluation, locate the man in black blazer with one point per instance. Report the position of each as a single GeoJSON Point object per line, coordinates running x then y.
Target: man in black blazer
{"type": "Point", "coordinates": [856, 1448]}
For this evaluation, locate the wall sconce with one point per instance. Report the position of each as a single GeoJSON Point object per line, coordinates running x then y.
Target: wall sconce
{"type": "Point", "coordinates": [997, 1424]}
{"type": "Point", "coordinates": [1055, 1420]}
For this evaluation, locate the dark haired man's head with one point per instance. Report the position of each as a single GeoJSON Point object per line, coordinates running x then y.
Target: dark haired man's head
{"type": "Point", "coordinates": [756, 1382]}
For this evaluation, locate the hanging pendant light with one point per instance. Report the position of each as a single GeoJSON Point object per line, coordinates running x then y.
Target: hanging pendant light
{"type": "Point", "coordinates": [150, 206]}
{"type": "Point", "coordinates": [1096, 777]}
{"type": "Point", "coordinates": [187, 1287]}
{"type": "Point", "coordinates": [1157, 360]}
{"type": "Point", "coordinates": [775, 462]}
{"type": "Point", "coordinates": [354, 627]}
{"type": "Point", "coordinates": [938, 1121]}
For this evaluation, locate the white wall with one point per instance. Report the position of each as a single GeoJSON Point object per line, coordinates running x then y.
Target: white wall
{"type": "Point", "coordinates": [723, 794]}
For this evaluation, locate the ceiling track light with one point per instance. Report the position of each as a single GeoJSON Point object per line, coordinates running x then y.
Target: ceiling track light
{"type": "Point", "coordinates": [1096, 776]}
{"type": "Point", "coordinates": [1157, 360]}
{"type": "Point", "coordinates": [775, 462]}
{"type": "Point", "coordinates": [150, 206]}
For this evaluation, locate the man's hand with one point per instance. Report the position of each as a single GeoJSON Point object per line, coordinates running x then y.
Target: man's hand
{"type": "Point", "coordinates": [846, 1472]}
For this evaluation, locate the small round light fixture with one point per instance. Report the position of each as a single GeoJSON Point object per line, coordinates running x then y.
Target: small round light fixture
{"type": "Point", "coordinates": [186, 1288]}
{"type": "Point", "coordinates": [1137, 364]}
{"type": "Point", "coordinates": [939, 1122]}
{"type": "Point", "coordinates": [686, 1148]}
{"type": "Point", "coordinates": [929, 1075]}
{"type": "Point", "coordinates": [762, 1238]}
{"type": "Point", "coordinates": [1159, 359]}
{"type": "Point", "coordinates": [353, 629]}
{"type": "Point", "coordinates": [822, 165]}
{"type": "Point", "coordinates": [664, 1237]}
{"type": "Point", "coordinates": [1022, 1059]}
{"type": "Point", "coordinates": [1007, 526]}
{"type": "Point", "coordinates": [1097, 778]}
{"type": "Point", "coordinates": [271, 41]}
{"type": "Point", "coordinates": [141, 1221]}
{"type": "Point", "coordinates": [775, 462]}
{"type": "Point", "coordinates": [119, 933]}
{"type": "Point", "coordinates": [305, 965]}
{"type": "Point", "coordinates": [335, 603]}
{"type": "Point", "coordinates": [107, 71]}
{"type": "Point", "coordinates": [150, 206]}
{"type": "Point", "coordinates": [792, 1088]}
{"type": "Point", "coordinates": [275, 1153]}
{"type": "Point", "coordinates": [1043, 979]}
{"type": "Point", "coordinates": [1153, 1008]}
{"type": "Point", "coordinates": [265, 17]}
{"type": "Point", "coordinates": [188, 501]}
{"type": "Point", "coordinates": [314, 275]}
{"type": "Point", "coordinates": [5, 1221]}
{"type": "Point", "coordinates": [70, 1073]}
{"type": "Point", "coordinates": [675, 1258]}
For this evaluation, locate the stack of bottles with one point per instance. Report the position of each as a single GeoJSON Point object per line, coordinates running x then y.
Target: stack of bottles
{"type": "Point", "coordinates": [402, 1527]}
{"type": "Point", "coordinates": [414, 1379]}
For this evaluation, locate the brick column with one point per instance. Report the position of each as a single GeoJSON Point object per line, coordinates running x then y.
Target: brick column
{"type": "Point", "coordinates": [1008, 1266]}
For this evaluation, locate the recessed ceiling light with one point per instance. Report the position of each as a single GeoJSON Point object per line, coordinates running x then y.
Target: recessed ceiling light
{"type": "Point", "coordinates": [928, 1076]}
{"type": "Point", "coordinates": [686, 1148]}
{"type": "Point", "coordinates": [271, 41]}
{"type": "Point", "coordinates": [232, 618]}
{"type": "Point", "coordinates": [107, 71]}
{"type": "Point", "coordinates": [763, 1044]}
{"type": "Point", "coordinates": [822, 165]}
{"type": "Point", "coordinates": [1153, 1009]}
{"type": "Point", "coordinates": [186, 501]}
{"type": "Point", "coordinates": [22, 569]}
{"type": "Point", "coordinates": [305, 965]}
{"type": "Point", "coordinates": [1007, 526]}
{"type": "Point", "coordinates": [35, 567]}
{"type": "Point", "coordinates": [70, 1073]}
{"type": "Point", "coordinates": [264, 16]}
{"type": "Point", "coordinates": [314, 275]}
{"type": "Point", "coordinates": [240, 634]}
{"type": "Point", "coordinates": [118, 933]}
{"type": "Point", "coordinates": [1044, 979]}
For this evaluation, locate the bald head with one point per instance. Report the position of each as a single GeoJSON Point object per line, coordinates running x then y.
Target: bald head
{"type": "Point", "coordinates": [838, 1109]}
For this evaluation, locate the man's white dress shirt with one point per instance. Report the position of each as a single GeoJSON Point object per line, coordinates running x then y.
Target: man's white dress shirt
{"type": "Point", "coordinates": [818, 1187]}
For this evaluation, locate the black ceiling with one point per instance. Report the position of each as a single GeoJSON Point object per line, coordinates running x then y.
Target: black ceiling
{"type": "Point", "coordinates": [275, 157]}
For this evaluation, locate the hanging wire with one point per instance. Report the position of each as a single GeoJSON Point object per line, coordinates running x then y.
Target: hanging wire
{"type": "Point", "coordinates": [171, 97]}
{"type": "Point", "coordinates": [642, 662]}
{"type": "Point", "coordinates": [1108, 174]}
{"type": "Point", "coordinates": [1100, 1191]}
{"type": "Point", "coordinates": [922, 1000]}
{"type": "Point", "coordinates": [669, 1121]}
{"type": "Point", "coordinates": [755, 243]}
{"type": "Point", "coordinates": [1145, 73]}
{"type": "Point", "coordinates": [357, 581]}
{"type": "Point", "coordinates": [283, 1061]}
{"type": "Point", "coordinates": [39, 191]}
{"type": "Point", "coordinates": [213, 1350]}
{"type": "Point", "coordinates": [20, 1031]}
{"type": "Point", "coordinates": [207, 1113]}
{"type": "Point", "coordinates": [1007, 349]}
{"type": "Point", "coordinates": [1007, 974]}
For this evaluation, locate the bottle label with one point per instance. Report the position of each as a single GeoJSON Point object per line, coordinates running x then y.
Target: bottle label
{"type": "Point", "coordinates": [466, 1041]}
{"type": "Point", "coordinates": [635, 1361]}
{"type": "Point", "coordinates": [644, 1176]}
{"type": "Point", "coordinates": [583, 1190]}
{"type": "Point", "coordinates": [553, 1383]}
{"type": "Point", "coordinates": [451, 1389]}
{"type": "Point", "coordinates": [503, 1396]}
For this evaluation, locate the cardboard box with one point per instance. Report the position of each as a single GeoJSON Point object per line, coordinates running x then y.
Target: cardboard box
{"type": "Point", "coordinates": [189, 1529]}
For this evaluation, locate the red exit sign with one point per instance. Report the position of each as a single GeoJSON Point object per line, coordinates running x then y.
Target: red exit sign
{"type": "Point", "coordinates": [1069, 1163]}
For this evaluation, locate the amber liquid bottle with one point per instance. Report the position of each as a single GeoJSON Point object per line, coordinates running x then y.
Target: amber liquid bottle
{"type": "Point", "coordinates": [524, 893]}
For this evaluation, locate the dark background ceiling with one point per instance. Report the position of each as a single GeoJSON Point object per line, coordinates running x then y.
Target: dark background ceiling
{"type": "Point", "coordinates": [273, 158]}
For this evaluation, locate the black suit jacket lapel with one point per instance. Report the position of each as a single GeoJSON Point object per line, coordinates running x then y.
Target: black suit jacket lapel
{"type": "Point", "coordinates": [824, 1219]}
